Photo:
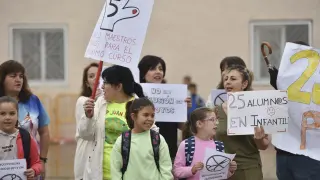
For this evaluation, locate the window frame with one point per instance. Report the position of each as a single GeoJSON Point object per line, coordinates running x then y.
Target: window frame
{"type": "Point", "coordinates": [255, 64]}
{"type": "Point", "coordinates": [41, 27]}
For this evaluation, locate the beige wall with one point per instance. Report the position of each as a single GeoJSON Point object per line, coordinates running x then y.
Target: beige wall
{"type": "Point", "coordinates": [192, 36]}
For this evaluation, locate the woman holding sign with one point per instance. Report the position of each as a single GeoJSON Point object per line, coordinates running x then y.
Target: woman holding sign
{"type": "Point", "coordinates": [104, 119]}
{"type": "Point", "coordinates": [152, 70]}
{"type": "Point", "coordinates": [246, 147]}
{"type": "Point", "coordinates": [83, 142]}
{"type": "Point", "coordinates": [224, 64]}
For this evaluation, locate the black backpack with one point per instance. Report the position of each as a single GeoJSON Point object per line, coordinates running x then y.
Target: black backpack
{"type": "Point", "coordinates": [125, 148]}
{"type": "Point", "coordinates": [26, 141]}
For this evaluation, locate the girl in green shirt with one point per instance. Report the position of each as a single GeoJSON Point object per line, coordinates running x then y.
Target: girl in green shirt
{"type": "Point", "coordinates": [246, 147]}
{"type": "Point", "coordinates": [141, 162]}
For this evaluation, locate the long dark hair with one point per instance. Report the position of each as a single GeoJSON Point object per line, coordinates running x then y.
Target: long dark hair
{"type": "Point", "coordinates": [116, 75]}
{"type": "Point", "coordinates": [134, 107]}
{"type": "Point", "coordinates": [12, 66]}
{"type": "Point", "coordinates": [85, 90]}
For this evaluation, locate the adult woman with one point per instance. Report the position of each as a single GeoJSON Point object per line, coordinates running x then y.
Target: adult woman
{"type": "Point", "coordinates": [104, 120]}
{"type": "Point", "coordinates": [153, 70]}
{"type": "Point", "coordinates": [246, 147]}
{"type": "Point", "coordinates": [224, 64]}
{"type": "Point", "coordinates": [82, 150]}
{"type": "Point", "coordinates": [32, 115]}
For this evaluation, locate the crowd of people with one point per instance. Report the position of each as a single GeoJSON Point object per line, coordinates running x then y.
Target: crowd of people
{"type": "Point", "coordinates": [117, 134]}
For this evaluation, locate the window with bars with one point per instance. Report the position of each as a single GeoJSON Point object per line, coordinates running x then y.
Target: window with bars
{"type": "Point", "coordinates": [277, 34]}
{"type": "Point", "coordinates": [42, 53]}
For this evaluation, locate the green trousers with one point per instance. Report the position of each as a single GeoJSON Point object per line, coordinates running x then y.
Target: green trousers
{"type": "Point", "coordinates": [248, 174]}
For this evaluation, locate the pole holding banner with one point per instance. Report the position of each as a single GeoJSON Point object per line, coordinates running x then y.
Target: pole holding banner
{"type": "Point", "coordinates": [96, 82]}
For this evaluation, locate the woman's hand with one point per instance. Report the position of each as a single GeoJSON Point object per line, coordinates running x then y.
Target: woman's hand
{"type": "Point", "coordinates": [188, 101]}
{"type": "Point", "coordinates": [260, 138]}
{"type": "Point", "coordinates": [259, 133]}
{"type": "Point", "coordinates": [30, 174]}
{"type": "Point", "coordinates": [197, 167]}
{"type": "Point", "coordinates": [88, 107]}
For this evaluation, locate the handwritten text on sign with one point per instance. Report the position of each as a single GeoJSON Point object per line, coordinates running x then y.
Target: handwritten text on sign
{"type": "Point", "coordinates": [13, 169]}
{"type": "Point", "coordinates": [216, 165]}
{"type": "Point", "coordinates": [299, 74]}
{"type": "Point", "coordinates": [248, 109]}
{"type": "Point", "coordinates": [119, 34]}
{"type": "Point", "coordinates": [169, 101]}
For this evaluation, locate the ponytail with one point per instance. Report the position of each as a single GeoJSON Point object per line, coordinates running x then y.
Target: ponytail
{"type": "Point", "coordinates": [186, 132]}
{"type": "Point", "coordinates": [128, 114]}
{"type": "Point", "coordinates": [133, 107]}
{"type": "Point", "coordinates": [137, 88]}
{"type": "Point", "coordinates": [251, 79]}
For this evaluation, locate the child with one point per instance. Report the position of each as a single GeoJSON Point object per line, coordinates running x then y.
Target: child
{"type": "Point", "coordinates": [9, 131]}
{"type": "Point", "coordinates": [203, 124]}
{"type": "Point", "coordinates": [140, 153]}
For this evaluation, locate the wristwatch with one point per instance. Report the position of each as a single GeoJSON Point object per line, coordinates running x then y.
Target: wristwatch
{"type": "Point", "coordinates": [44, 159]}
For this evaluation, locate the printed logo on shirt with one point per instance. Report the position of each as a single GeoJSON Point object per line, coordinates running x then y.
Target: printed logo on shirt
{"type": "Point", "coordinates": [7, 148]}
{"type": "Point", "coordinates": [114, 128]}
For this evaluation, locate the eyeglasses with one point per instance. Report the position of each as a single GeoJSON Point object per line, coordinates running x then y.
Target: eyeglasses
{"type": "Point", "coordinates": [213, 119]}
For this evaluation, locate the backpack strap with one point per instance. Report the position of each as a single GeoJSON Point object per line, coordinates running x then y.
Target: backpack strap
{"type": "Point", "coordinates": [189, 150]}
{"type": "Point", "coordinates": [125, 150]}
{"type": "Point", "coordinates": [219, 146]}
{"type": "Point", "coordinates": [26, 141]}
{"type": "Point", "coordinates": [155, 141]}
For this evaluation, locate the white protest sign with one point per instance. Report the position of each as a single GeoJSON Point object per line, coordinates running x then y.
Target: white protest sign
{"type": "Point", "coordinates": [119, 34]}
{"type": "Point", "coordinates": [218, 96]}
{"type": "Point", "coordinates": [248, 109]}
{"type": "Point", "coordinates": [216, 165]}
{"type": "Point", "coordinates": [13, 169]}
{"type": "Point", "coordinates": [169, 101]}
{"type": "Point", "coordinates": [299, 75]}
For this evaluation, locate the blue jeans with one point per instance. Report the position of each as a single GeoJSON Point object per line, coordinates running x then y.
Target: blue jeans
{"type": "Point", "coordinates": [297, 167]}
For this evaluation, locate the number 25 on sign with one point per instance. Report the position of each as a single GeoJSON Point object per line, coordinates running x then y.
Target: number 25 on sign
{"type": "Point", "coordinates": [295, 92]}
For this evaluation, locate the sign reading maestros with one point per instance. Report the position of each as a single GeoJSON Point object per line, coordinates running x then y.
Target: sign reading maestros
{"type": "Point", "coordinates": [169, 101]}
{"type": "Point", "coordinates": [119, 34]}
{"type": "Point", "coordinates": [249, 109]}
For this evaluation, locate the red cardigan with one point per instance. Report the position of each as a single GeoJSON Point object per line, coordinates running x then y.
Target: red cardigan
{"type": "Point", "coordinates": [36, 164]}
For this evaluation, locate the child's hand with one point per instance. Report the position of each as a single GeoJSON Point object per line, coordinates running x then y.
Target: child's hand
{"type": "Point", "coordinates": [233, 167]}
{"type": "Point", "coordinates": [29, 173]}
{"type": "Point", "coordinates": [198, 166]}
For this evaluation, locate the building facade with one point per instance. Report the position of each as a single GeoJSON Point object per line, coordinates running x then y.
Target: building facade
{"type": "Point", "coordinates": [50, 37]}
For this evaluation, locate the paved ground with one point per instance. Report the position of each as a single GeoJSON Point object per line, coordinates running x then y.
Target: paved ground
{"type": "Point", "coordinates": [61, 158]}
